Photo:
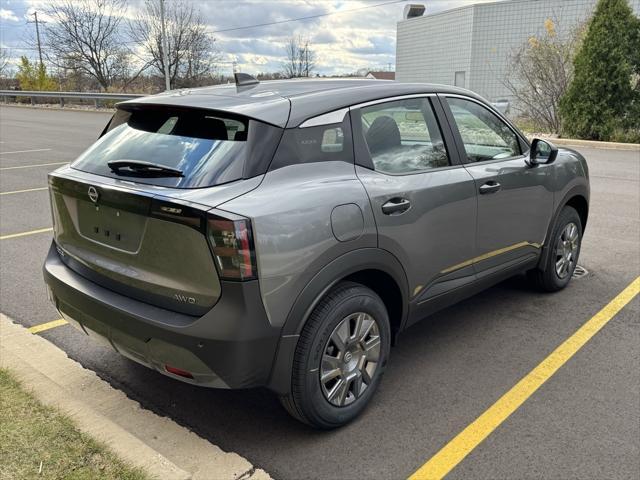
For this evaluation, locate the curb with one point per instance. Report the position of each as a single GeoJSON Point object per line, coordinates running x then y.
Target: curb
{"type": "Point", "coordinates": [156, 444]}
{"type": "Point", "coordinates": [592, 143]}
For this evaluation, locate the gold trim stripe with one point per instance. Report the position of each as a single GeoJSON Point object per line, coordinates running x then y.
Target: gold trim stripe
{"type": "Point", "coordinates": [488, 255]}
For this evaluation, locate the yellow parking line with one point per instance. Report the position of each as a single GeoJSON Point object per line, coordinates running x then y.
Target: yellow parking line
{"type": "Point", "coordinates": [458, 448]}
{"type": "Point", "coordinates": [23, 234]}
{"type": "Point", "coordinates": [30, 166]}
{"type": "Point", "coordinates": [24, 191]}
{"type": "Point", "coordinates": [47, 326]}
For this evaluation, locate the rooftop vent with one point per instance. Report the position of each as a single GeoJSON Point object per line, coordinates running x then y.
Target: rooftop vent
{"type": "Point", "coordinates": [413, 10]}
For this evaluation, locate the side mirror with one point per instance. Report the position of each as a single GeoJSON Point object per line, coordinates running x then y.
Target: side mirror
{"type": "Point", "coordinates": [541, 152]}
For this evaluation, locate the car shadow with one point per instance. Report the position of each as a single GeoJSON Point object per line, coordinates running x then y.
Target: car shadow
{"type": "Point", "coordinates": [252, 422]}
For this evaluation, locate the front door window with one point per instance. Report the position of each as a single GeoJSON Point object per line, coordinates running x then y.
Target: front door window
{"type": "Point", "coordinates": [484, 134]}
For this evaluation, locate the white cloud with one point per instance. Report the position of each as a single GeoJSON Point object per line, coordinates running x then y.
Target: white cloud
{"type": "Point", "coordinates": [8, 15]}
{"type": "Point", "coordinates": [351, 38]}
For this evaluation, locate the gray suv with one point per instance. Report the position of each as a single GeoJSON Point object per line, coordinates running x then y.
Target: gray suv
{"type": "Point", "coordinates": [282, 234]}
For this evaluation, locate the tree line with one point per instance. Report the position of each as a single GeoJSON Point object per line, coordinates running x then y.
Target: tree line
{"type": "Point", "coordinates": [90, 45]}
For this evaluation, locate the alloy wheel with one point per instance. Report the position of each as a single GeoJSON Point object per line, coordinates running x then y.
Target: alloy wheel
{"type": "Point", "coordinates": [567, 250]}
{"type": "Point", "coordinates": [350, 359]}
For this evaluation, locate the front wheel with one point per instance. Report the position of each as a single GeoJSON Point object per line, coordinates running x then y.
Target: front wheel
{"type": "Point", "coordinates": [566, 241]}
{"type": "Point", "coordinates": [340, 357]}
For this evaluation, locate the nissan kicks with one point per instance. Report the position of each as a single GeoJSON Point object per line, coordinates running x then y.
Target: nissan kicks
{"type": "Point", "coordinates": [282, 234]}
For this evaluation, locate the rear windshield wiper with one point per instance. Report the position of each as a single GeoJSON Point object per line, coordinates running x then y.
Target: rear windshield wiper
{"type": "Point", "coordinates": [143, 169]}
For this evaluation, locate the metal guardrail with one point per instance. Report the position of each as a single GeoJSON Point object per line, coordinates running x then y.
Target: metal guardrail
{"type": "Point", "coordinates": [61, 96]}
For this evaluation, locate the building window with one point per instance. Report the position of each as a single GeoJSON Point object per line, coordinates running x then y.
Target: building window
{"type": "Point", "coordinates": [458, 80]}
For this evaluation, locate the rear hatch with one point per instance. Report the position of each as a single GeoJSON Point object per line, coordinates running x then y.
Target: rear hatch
{"type": "Point", "coordinates": [123, 216]}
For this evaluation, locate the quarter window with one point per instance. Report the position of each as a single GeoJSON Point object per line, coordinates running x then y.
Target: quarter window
{"type": "Point", "coordinates": [485, 135]}
{"type": "Point", "coordinates": [403, 136]}
{"type": "Point", "coordinates": [321, 143]}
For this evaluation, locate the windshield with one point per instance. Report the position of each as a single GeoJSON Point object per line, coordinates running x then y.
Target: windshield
{"type": "Point", "coordinates": [206, 147]}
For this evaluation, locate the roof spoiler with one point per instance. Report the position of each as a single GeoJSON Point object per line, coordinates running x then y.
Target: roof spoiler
{"type": "Point", "coordinates": [244, 80]}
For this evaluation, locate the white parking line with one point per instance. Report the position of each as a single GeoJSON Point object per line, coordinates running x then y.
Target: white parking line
{"type": "Point", "coordinates": [24, 234]}
{"type": "Point", "coordinates": [30, 166]}
{"type": "Point", "coordinates": [26, 151]}
{"type": "Point", "coordinates": [24, 191]}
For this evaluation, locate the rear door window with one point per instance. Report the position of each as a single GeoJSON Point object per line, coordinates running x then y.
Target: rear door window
{"type": "Point", "coordinates": [208, 148]}
{"type": "Point", "coordinates": [403, 136]}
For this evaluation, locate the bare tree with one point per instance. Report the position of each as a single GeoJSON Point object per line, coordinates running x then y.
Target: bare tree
{"type": "Point", "coordinates": [86, 34]}
{"type": "Point", "coordinates": [5, 56]}
{"type": "Point", "coordinates": [191, 53]}
{"type": "Point", "coordinates": [541, 71]}
{"type": "Point", "coordinates": [301, 59]}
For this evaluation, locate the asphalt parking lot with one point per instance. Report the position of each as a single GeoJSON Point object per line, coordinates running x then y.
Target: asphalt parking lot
{"type": "Point", "coordinates": [584, 422]}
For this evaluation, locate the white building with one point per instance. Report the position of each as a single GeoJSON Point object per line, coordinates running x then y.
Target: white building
{"type": "Point", "coordinates": [470, 46]}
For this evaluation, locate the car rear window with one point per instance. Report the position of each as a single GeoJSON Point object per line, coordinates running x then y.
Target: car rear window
{"type": "Point", "coordinates": [209, 148]}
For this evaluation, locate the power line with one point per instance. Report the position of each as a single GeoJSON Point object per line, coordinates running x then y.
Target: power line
{"type": "Point", "coordinates": [231, 29]}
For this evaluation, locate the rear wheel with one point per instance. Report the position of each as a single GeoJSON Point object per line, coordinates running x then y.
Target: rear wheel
{"type": "Point", "coordinates": [340, 357]}
{"type": "Point", "coordinates": [565, 249]}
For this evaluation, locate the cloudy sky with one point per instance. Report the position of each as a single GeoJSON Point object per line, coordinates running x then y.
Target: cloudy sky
{"type": "Point", "coordinates": [346, 34]}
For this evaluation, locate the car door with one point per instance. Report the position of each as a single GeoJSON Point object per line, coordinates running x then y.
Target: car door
{"type": "Point", "coordinates": [515, 200]}
{"type": "Point", "coordinates": [423, 200]}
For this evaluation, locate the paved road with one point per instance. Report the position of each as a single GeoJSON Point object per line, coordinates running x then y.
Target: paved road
{"type": "Point", "coordinates": [583, 423]}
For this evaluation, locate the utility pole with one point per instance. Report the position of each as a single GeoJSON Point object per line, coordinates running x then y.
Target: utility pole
{"type": "Point", "coordinates": [165, 55]}
{"type": "Point", "coordinates": [306, 59]}
{"type": "Point", "coordinates": [35, 16]}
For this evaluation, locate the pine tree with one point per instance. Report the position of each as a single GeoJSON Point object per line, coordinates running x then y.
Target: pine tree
{"type": "Point", "coordinates": [604, 96]}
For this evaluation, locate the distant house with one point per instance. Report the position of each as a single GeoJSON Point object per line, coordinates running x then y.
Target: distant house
{"type": "Point", "coordinates": [382, 75]}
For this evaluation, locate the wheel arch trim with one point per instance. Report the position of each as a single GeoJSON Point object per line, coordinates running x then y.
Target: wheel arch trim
{"type": "Point", "coordinates": [580, 190]}
{"type": "Point", "coordinates": [338, 269]}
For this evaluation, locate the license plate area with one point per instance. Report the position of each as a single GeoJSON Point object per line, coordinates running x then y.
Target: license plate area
{"type": "Point", "coordinates": [111, 226]}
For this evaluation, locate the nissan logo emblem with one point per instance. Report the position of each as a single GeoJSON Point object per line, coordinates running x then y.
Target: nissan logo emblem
{"type": "Point", "coordinates": [93, 194]}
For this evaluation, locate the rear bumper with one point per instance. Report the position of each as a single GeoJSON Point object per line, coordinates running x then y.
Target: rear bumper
{"type": "Point", "coordinates": [231, 346]}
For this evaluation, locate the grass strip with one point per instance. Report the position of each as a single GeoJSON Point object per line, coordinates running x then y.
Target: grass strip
{"type": "Point", "coordinates": [36, 441]}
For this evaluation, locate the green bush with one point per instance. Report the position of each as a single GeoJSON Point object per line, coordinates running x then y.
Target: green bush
{"type": "Point", "coordinates": [628, 135]}
{"type": "Point", "coordinates": [603, 99]}
{"type": "Point", "coordinates": [34, 77]}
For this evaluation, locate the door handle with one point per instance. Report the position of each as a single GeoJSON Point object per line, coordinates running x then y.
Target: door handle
{"type": "Point", "coordinates": [490, 187]}
{"type": "Point", "coordinates": [396, 205]}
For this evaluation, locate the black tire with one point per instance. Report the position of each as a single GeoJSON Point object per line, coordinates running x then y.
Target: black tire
{"type": "Point", "coordinates": [307, 401]}
{"type": "Point", "coordinates": [545, 277]}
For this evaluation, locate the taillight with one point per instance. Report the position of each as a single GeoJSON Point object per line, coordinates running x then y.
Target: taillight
{"type": "Point", "coordinates": [232, 245]}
